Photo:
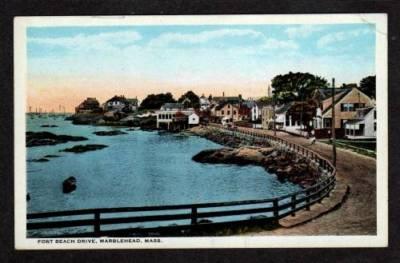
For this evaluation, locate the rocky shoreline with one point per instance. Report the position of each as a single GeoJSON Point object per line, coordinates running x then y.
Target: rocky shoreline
{"type": "Point", "coordinates": [286, 165]}
{"type": "Point", "coordinates": [47, 138]}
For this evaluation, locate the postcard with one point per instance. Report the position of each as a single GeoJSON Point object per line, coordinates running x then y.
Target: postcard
{"type": "Point", "coordinates": [212, 131]}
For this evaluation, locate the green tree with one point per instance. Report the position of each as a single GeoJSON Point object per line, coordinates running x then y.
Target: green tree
{"type": "Point", "coordinates": [190, 100]}
{"type": "Point", "coordinates": [368, 86]}
{"type": "Point", "coordinates": [296, 86]}
{"type": "Point", "coordinates": [266, 100]}
{"type": "Point", "coordinates": [350, 85]}
{"type": "Point", "coordinates": [155, 101]}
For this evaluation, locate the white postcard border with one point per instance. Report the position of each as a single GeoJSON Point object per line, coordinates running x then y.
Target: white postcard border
{"type": "Point", "coordinates": [20, 85]}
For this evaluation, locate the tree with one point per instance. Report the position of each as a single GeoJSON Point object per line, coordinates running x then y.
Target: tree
{"type": "Point", "coordinates": [296, 86]}
{"type": "Point", "coordinates": [266, 100]}
{"type": "Point", "coordinates": [368, 86]}
{"type": "Point", "coordinates": [190, 100]}
{"type": "Point", "coordinates": [348, 86]}
{"type": "Point", "coordinates": [155, 101]}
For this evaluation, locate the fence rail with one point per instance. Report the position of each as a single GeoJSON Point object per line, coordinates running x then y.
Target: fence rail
{"type": "Point", "coordinates": [272, 209]}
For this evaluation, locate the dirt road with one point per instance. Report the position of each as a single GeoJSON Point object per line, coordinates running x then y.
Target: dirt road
{"type": "Point", "coordinates": [357, 215]}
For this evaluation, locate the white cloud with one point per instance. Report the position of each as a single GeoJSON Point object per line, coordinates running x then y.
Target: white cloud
{"type": "Point", "coordinates": [202, 37]}
{"type": "Point", "coordinates": [341, 36]}
{"type": "Point", "coordinates": [302, 31]}
{"type": "Point", "coordinates": [272, 43]}
{"type": "Point", "coordinates": [101, 41]}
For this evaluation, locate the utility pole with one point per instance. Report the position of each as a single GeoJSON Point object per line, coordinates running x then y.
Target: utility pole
{"type": "Point", "coordinates": [333, 123]}
{"type": "Point", "coordinates": [273, 110]}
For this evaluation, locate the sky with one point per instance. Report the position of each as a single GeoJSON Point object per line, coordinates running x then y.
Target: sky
{"type": "Point", "coordinates": [68, 64]}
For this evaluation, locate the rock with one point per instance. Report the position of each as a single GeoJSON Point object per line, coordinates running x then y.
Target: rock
{"type": "Point", "coordinates": [109, 133]}
{"type": "Point", "coordinates": [48, 126]}
{"type": "Point", "coordinates": [267, 151]}
{"type": "Point", "coordinates": [41, 160]}
{"type": "Point", "coordinates": [84, 148]}
{"type": "Point", "coordinates": [47, 138]}
{"type": "Point", "coordinates": [51, 156]}
{"type": "Point", "coordinates": [69, 185]}
{"type": "Point", "coordinates": [86, 118]}
{"type": "Point", "coordinates": [147, 123]}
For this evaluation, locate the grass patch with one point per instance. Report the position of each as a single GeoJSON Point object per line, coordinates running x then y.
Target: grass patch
{"type": "Point", "coordinates": [367, 149]}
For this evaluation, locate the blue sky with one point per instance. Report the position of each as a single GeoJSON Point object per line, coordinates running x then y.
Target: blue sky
{"type": "Point", "coordinates": [200, 55]}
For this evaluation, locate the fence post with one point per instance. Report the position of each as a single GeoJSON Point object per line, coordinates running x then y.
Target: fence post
{"type": "Point", "coordinates": [97, 223]}
{"type": "Point", "coordinates": [308, 200]}
{"type": "Point", "coordinates": [320, 192]}
{"type": "Point", "coordinates": [276, 208]}
{"type": "Point", "coordinates": [194, 216]}
{"type": "Point", "coordinates": [293, 205]}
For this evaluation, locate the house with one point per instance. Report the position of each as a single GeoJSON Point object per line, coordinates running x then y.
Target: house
{"type": "Point", "coordinates": [204, 103]}
{"type": "Point", "coordinates": [90, 105]}
{"type": "Point", "coordinates": [230, 111]}
{"type": "Point", "coordinates": [227, 99]}
{"type": "Point", "coordinates": [363, 126]}
{"type": "Point", "coordinates": [267, 114]}
{"type": "Point", "coordinates": [255, 109]}
{"type": "Point", "coordinates": [294, 117]}
{"type": "Point", "coordinates": [171, 106]}
{"type": "Point", "coordinates": [172, 117]}
{"type": "Point", "coordinates": [133, 104]}
{"type": "Point", "coordinates": [347, 101]}
{"type": "Point", "coordinates": [194, 119]}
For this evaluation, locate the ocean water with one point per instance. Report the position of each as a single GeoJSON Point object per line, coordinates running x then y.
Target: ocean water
{"type": "Point", "coordinates": [137, 169]}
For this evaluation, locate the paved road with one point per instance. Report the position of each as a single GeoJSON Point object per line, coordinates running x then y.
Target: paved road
{"type": "Point", "coordinates": [357, 216]}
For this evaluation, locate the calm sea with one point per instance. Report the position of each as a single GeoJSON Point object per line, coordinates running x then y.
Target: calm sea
{"type": "Point", "coordinates": [137, 169]}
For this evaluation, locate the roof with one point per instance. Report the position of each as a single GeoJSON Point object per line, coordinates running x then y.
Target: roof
{"type": "Point", "coordinates": [223, 103]}
{"type": "Point", "coordinates": [117, 98]}
{"type": "Point", "coordinates": [338, 97]}
{"type": "Point", "coordinates": [261, 104]}
{"type": "Point", "coordinates": [284, 108]}
{"type": "Point", "coordinates": [232, 99]}
{"type": "Point", "coordinates": [362, 112]}
{"type": "Point", "coordinates": [170, 105]}
{"type": "Point", "coordinates": [325, 93]}
{"type": "Point", "coordinates": [132, 101]}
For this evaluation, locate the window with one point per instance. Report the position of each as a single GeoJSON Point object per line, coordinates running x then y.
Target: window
{"type": "Point", "coordinates": [374, 114]}
{"type": "Point", "coordinates": [327, 122]}
{"type": "Point", "coordinates": [347, 107]}
{"type": "Point", "coordinates": [359, 105]}
{"type": "Point", "coordinates": [234, 112]}
{"type": "Point", "coordinates": [351, 106]}
{"type": "Point", "coordinates": [375, 126]}
{"type": "Point", "coordinates": [229, 106]}
{"type": "Point", "coordinates": [222, 112]}
{"type": "Point", "coordinates": [229, 112]}
{"type": "Point", "coordinates": [342, 123]}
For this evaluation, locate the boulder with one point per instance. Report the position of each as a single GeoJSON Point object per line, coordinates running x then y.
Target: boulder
{"type": "Point", "coordinates": [47, 138]}
{"type": "Point", "coordinates": [48, 126]}
{"type": "Point", "coordinates": [69, 185]}
{"type": "Point", "coordinates": [109, 133]}
{"type": "Point", "coordinates": [84, 148]}
{"type": "Point", "coordinates": [51, 156]}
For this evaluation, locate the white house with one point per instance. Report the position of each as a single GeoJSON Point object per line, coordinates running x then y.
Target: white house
{"type": "Point", "coordinates": [204, 103]}
{"type": "Point", "coordinates": [120, 103]}
{"type": "Point", "coordinates": [194, 119]}
{"type": "Point", "coordinates": [363, 126]}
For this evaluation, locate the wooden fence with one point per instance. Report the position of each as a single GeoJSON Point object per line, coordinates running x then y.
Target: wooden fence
{"type": "Point", "coordinates": [196, 216]}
